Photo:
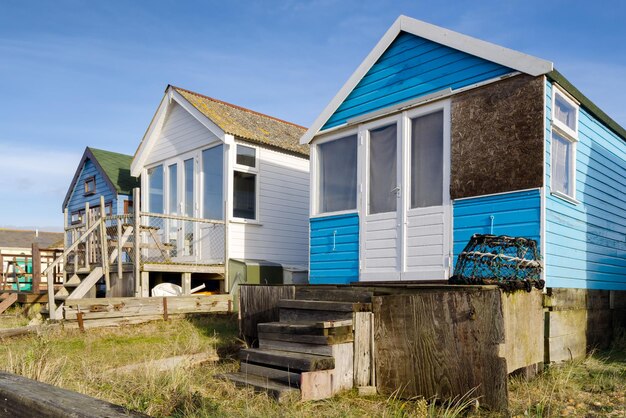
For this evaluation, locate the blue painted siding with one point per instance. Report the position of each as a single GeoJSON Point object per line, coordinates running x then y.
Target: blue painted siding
{"type": "Point", "coordinates": [412, 67]}
{"type": "Point", "coordinates": [341, 265]}
{"type": "Point", "coordinates": [516, 214]}
{"type": "Point", "coordinates": [78, 199]}
{"type": "Point", "coordinates": [121, 198]}
{"type": "Point", "coordinates": [586, 242]}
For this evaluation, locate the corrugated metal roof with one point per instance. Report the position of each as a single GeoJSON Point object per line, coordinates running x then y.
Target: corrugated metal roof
{"type": "Point", "coordinates": [15, 238]}
{"type": "Point", "coordinates": [116, 166]}
{"type": "Point", "coordinates": [247, 124]}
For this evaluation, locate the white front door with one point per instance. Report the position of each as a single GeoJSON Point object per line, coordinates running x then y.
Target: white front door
{"type": "Point", "coordinates": [381, 236]}
{"type": "Point", "coordinates": [405, 204]}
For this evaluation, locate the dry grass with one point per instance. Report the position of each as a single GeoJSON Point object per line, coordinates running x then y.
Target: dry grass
{"type": "Point", "coordinates": [13, 318]}
{"type": "Point", "coordinates": [79, 361]}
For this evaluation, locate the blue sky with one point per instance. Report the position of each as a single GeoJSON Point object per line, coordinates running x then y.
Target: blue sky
{"type": "Point", "coordinates": [79, 73]}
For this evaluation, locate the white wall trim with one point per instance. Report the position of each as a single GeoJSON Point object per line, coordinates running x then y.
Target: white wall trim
{"type": "Point", "coordinates": [496, 194]}
{"type": "Point", "coordinates": [504, 56]}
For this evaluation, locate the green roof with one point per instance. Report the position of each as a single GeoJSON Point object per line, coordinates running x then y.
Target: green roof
{"type": "Point", "coordinates": [116, 166]}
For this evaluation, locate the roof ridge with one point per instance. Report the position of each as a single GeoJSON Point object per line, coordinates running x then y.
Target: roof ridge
{"type": "Point", "coordinates": [110, 152]}
{"type": "Point", "coordinates": [238, 107]}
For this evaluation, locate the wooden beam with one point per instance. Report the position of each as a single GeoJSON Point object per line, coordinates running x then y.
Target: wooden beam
{"type": "Point", "coordinates": [36, 265]}
{"type": "Point", "coordinates": [21, 397]}
{"type": "Point", "coordinates": [6, 303]}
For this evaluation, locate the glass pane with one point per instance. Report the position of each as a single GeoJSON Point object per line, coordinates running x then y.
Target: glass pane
{"type": "Point", "coordinates": [155, 189]}
{"type": "Point", "coordinates": [427, 160]}
{"type": "Point", "coordinates": [561, 160]}
{"type": "Point", "coordinates": [337, 184]}
{"type": "Point", "coordinates": [246, 156]}
{"type": "Point", "coordinates": [173, 189]}
{"type": "Point", "coordinates": [244, 199]}
{"type": "Point", "coordinates": [188, 167]}
{"type": "Point", "coordinates": [564, 112]}
{"type": "Point", "coordinates": [213, 171]}
{"type": "Point", "coordinates": [383, 176]}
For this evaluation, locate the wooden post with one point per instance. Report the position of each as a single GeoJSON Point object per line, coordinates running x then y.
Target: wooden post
{"type": "Point", "coordinates": [165, 318]}
{"type": "Point", "coordinates": [104, 253]}
{"type": "Point", "coordinates": [4, 279]}
{"type": "Point", "coordinates": [79, 318]}
{"type": "Point", "coordinates": [36, 263]}
{"type": "Point", "coordinates": [87, 239]}
{"type": "Point", "coordinates": [65, 245]}
{"type": "Point", "coordinates": [51, 305]}
{"type": "Point", "coordinates": [137, 248]}
{"type": "Point", "coordinates": [226, 225]}
{"type": "Point", "coordinates": [119, 249]}
{"type": "Point", "coordinates": [186, 282]}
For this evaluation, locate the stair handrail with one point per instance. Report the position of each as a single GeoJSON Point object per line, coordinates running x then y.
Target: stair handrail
{"type": "Point", "coordinates": [71, 247]}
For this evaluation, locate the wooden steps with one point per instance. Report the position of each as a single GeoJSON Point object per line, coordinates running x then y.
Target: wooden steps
{"type": "Point", "coordinates": [310, 348]}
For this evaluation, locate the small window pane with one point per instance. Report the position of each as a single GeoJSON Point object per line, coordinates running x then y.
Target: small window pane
{"type": "Point", "coordinates": [246, 156]}
{"type": "Point", "coordinates": [213, 172]}
{"type": "Point", "coordinates": [564, 112]}
{"type": "Point", "coordinates": [90, 185]}
{"type": "Point", "coordinates": [337, 183]}
{"type": "Point", "coordinates": [188, 167]}
{"type": "Point", "coordinates": [427, 160]}
{"type": "Point", "coordinates": [383, 176]}
{"type": "Point", "coordinates": [244, 199]}
{"type": "Point", "coordinates": [155, 189]}
{"type": "Point", "coordinates": [561, 162]}
{"type": "Point", "coordinates": [173, 189]}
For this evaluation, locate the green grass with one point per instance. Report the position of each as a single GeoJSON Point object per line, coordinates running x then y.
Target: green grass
{"type": "Point", "coordinates": [13, 318]}
{"type": "Point", "coordinates": [80, 361]}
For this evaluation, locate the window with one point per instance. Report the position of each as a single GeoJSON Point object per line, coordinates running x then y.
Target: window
{"type": "Point", "coordinates": [76, 218]}
{"type": "Point", "coordinates": [563, 149]}
{"type": "Point", "coordinates": [244, 195]}
{"type": "Point", "coordinates": [172, 181]}
{"type": "Point", "coordinates": [108, 209]}
{"type": "Point", "coordinates": [383, 176]}
{"type": "Point", "coordinates": [128, 206]}
{"type": "Point", "coordinates": [155, 189]}
{"type": "Point", "coordinates": [213, 177]}
{"type": "Point", "coordinates": [188, 167]}
{"type": "Point", "coordinates": [427, 160]}
{"type": "Point", "coordinates": [337, 180]}
{"type": "Point", "coordinates": [90, 185]}
{"type": "Point", "coordinates": [246, 156]}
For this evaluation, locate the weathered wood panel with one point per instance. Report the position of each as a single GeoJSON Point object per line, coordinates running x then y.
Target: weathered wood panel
{"type": "Point", "coordinates": [523, 328]}
{"type": "Point", "coordinates": [258, 304]}
{"type": "Point", "coordinates": [441, 344]}
{"type": "Point", "coordinates": [497, 138]}
{"type": "Point", "coordinates": [22, 397]}
{"type": "Point", "coordinates": [363, 359]}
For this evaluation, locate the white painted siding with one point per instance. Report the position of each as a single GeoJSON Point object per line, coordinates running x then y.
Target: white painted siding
{"type": "Point", "coordinates": [281, 234]}
{"type": "Point", "coordinates": [181, 133]}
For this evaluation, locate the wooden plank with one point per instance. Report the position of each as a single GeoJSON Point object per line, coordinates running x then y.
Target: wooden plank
{"type": "Point", "coordinates": [287, 360]}
{"type": "Point", "coordinates": [559, 299]}
{"type": "Point", "coordinates": [343, 373]}
{"type": "Point", "coordinates": [308, 339]}
{"type": "Point", "coordinates": [289, 315]}
{"type": "Point", "coordinates": [335, 294]}
{"type": "Point", "coordinates": [259, 304]}
{"type": "Point", "coordinates": [441, 344]}
{"type": "Point", "coordinates": [567, 322]}
{"type": "Point", "coordinates": [279, 391]}
{"type": "Point", "coordinates": [183, 268]}
{"type": "Point", "coordinates": [316, 385]}
{"type": "Point", "coordinates": [22, 397]}
{"type": "Point", "coordinates": [523, 327]}
{"type": "Point", "coordinates": [296, 347]}
{"type": "Point", "coordinates": [7, 302]}
{"type": "Point", "coordinates": [363, 322]}
{"type": "Point", "coordinates": [284, 376]}
{"type": "Point", "coordinates": [327, 306]}
{"type": "Point", "coordinates": [566, 347]}
{"type": "Point", "coordinates": [306, 327]}
{"type": "Point", "coordinates": [36, 265]}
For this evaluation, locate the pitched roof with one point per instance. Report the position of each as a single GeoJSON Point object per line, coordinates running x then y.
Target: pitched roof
{"type": "Point", "coordinates": [115, 168]}
{"type": "Point", "coordinates": [247, 124]}
{"type": "Point", "coordinates": [507, 57]}
{"type": "Point", "coordinates": [15, 238]}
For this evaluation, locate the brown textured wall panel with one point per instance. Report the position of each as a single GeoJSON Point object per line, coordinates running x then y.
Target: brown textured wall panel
{"type": "Point", "coordinates": [497, 138]}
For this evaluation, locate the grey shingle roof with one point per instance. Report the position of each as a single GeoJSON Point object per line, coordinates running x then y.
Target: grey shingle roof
{"type": "Point", "coordinates": [15, 238]}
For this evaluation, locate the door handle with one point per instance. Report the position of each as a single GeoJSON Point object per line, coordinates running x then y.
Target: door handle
{"type": "Point", "coordinates": [396, 190]}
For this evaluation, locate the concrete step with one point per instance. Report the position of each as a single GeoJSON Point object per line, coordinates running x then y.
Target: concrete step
{"type": "Point", "coordinates": [287, 360]}
{"type": "Point", "coordinates": [279, 391]}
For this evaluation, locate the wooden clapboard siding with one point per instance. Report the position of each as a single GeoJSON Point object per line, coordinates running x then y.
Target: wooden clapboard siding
{"type": "Point", "coordinates": [181, 133]}
{"type": "Point", "coordinates": [341, 265]}
{"type": "Point", "coordinates": [412, 67]}
{"type": "Point", "coordinates": [281, 233]}
{"type": "Point", "coordinates": [585, 244]}
{"type": "Point", "coordinates": [517, 214]}
{"type": "Point", "coordinates": [78, 199]}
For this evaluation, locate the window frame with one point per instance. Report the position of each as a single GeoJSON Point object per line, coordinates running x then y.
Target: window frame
{"type": "Point", "coordinates": [316, 160]}
{"type": "Point", "coordinates": [89, 192]}
{"type": "Point", "coordinates": [146, 175]}
{"type": "Point", "coordinates": [247, 170]}
{"type": "Point", "coordinates": [565, 132]}
{"type": "Point", "coordinates": [202, 181]}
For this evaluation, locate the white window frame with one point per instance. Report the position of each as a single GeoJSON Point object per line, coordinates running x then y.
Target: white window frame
{"type": "Point", "coordinates": [249, 170]}
{"type": "Point", "coordinates": [203, 179]}
{"type": "Point", "coordinates": [146, 193]}
{"type": "Point", "coordinates": [315, 182]}
{"type": "Point", "coordinates": [568, 134]}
